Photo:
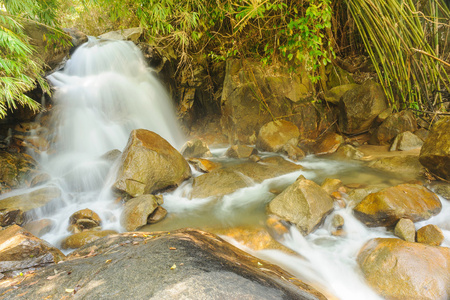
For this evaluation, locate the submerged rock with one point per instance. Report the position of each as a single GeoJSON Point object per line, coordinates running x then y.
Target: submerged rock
{"type": "Point", "coordinates": [187, 263]}
{"type": "Point", "coordinates": [386, 207]}
{"type": "Point", "coordinates": [401, 270]}
{"type": "Point", "coordinates": [407, 167]}
{"type": "Point", "coordinates": [304, 203]}
{"type": "Point", "coordinates": [435, 152]}
{"type": "Point", "coordinates": [21, 250]}
{"type": "Point", "coordinates": [274, 135]}
{"type": "Point", "coordinates": [150, 164]}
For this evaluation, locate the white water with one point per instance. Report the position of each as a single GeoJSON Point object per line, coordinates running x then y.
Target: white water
{"type": "Point", "coordinates": [105, 91]}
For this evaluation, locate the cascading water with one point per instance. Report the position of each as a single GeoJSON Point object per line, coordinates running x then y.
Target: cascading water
{"type": "Point", "coordinates": [105, 91]}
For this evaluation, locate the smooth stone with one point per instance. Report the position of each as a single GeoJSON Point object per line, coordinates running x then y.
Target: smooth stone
{"type": "Point", "coordinates": [405, 230]}
{"type": "Point", "coordinates": [431, 235]}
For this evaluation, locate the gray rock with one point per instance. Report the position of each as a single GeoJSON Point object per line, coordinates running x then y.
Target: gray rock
{"type": "Point", "coordinates": [130, 34]}
{"type": "Point", "coordinates": [406, 141]}
{"type": "Point", "coordinates": [196, 149]}
{"type": "Point", "coordinates": [405, 230]}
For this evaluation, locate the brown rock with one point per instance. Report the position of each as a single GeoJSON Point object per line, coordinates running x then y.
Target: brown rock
{"type": "Point", "coordinates": [435, 152]}
{"type": "Point", "coordinates": [39, 227]}
{"type": "Point", "coordinates": [85, 219]}
{"type": "Point", "coordinates": [241, 151]}
{"type": "Point", "coordinates": [40, 179]}
{"type": "Point", "coordinates": [80, 239]}
{"type": "Point", "coordinates": [16, 170]}
{"type": "Point", "coordinates": [406, 141]}
{"type": "Point", "coordinates": [331, 185]}
{"type": "Point", "coordinates": [196, 148]}
{"type": "Point", "coordinates": [348, 152]}
{"type": "Point", "coordinates": [274, 135]}
{"type": "Point", "coordinates": [157, 215]}
{"type": "Point", "coordinates": [393, 126]}
{"type": "Point", "coordinates": [405, 230]}
{"type": "Point", "coordinates": [150, 164]}
{"type": "Point", "coordinates": [422, 133]}
{"type": "Point", "coordinates": [112, 155]}
{"type": "Point", "coordinates": [292, 152]}
{"type": "Point", "coordinates": [401, 270]}
{"type": "Point", "coordinates": [386, 207]}
{"type": "Point", "coordinates": [21, 250]}
{"type": "Point", "coordinates": [337, 222]}
{"type": "Point", "coordinates": [442, 189]}
{"type": "Point", "coordinates": [334, 95]}
{"type": "Point", "coordinates": [137, 211]}
{"type": "Point", "coordinates": [407, 167]}
{"type": "Point", "coordinates": [203, 165]}
{"type": "Point", "coordinates": [303, 203]}
{"type": "Point", "coordinates": [431, 235]}
{"type": "Point", "coordinates": [329, 143]}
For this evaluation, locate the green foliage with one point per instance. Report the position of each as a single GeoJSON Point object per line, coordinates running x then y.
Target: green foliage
{"type": "Point", "coordinates": [20, 70]}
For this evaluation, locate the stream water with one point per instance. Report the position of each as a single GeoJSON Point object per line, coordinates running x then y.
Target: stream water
{"type": "Point", "coordinates": [105, 91]}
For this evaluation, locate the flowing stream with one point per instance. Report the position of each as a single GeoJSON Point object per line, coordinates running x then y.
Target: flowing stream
{"type": "Point", "coordinates": [105, 91]}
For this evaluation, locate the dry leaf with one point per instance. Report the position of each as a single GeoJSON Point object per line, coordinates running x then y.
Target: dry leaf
{"type": "Point", "coordinates": [69, 290]}
{"type": "Point", "coordinates": [172, 248]}
{"type": "Point", "coordinates": [173, 267]}
{"type": "Point", "coordinates": [107, 261]}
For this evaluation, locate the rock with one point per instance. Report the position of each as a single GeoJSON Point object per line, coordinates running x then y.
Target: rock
{"type": "Point", "coordinates": [393, 126]}
{"type": "Point", "coordinates": [150, 164]}
{"type": "Point", "coordinates": [406, 141]}
{"type": "Point", "coordinates": [16, 170]}
{"type": "Point", "coordinates": [304, 203]}
{"type": "Point", "coordinates": [196, 149]}
{"type": "Point", "coordinates": [78, 37]}
{"type": "Point", "coordinates": [157, 215]}
{"type": "Point", "coordinates": [84, 219]}
{"type": "Point", "coordinates": [39, 227]}
{"type": "Point", "coordinates": [40, 179]}
{"type": "Point", "coordinates": [13, 208]}
{"type": "Point", "coordinates": [405, 230]}
{"type": "Point", "coordinates": [435, 152]}
{"type": "Point", "coordinates": [337, 76]}
{"type": "Point", "coordinates": [337, 222]}
{"type": "Point", "coordinates": [112, 155]}
{"type": "Point", "coordinates": [442, 189]}
{"type": "Point", "coordinates": [359, 107]}
{"type": "Point", "coordinates": [355, 196]}
{"type": "Point", "coordinates": [431, 235]}
{"type": "Point", "coordinates": [386, 207]}
{"type": "Point", "coordinates": [129, 34]}
{"type": "Point", "coordinates": [329, 143]}
{"type": "Point", "coordinates": [422, 133]}
{"type": "Point", "coordinates": [137, 211]}
{"type": "Point", "coordinates": [348, 152]}
{"type": "Point", "coordinates": [407, 167]}
{"type": "Point", "coordinates": [396, 269]}
{"type": "Point", "coordinates": [331, 185]}
{"type": "Point", "coordinates": [241, 151]}
{"type": "Point", "coordinates": [142, 266]}
{"type": "Point", "coordinates": [274, 135]}
{"type": "Point", "coordinates": [80, 239]}
{"type": "Point", "coordinates": [203, 165]}
{"type": "Point", "coordinates": [384, 115]}
{"type": "Point", "coordinates": [334, 95]}
{"type": "Point", "coordinates": [292, 152]}
{"type": "Point", "coordinates": [224, 181]}
{"type": "Point", "coordinates": [21, 250]}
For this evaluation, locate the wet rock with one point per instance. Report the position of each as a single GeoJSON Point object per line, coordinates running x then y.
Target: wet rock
{"type": "Point", "coordinates": [137, 211]}
{"type": "Point", "coordinates": [150, 164]}
{"type": "Point", "coordinates": [328, 144]}
{"type": "Point", "coordinates": [21, 250]}
{"type": "Point", "coordinates": [431, 235]}
{"type": "Point", "coordinates": [84, 219]}
{"type": "Point", "coordinates": [274, 135]}
{"type": "Point", "coordinates": [196, 149]}
{"type": "Point", "coordinates": [435, 152]}
{"type": "Point", "coordinates": [142, 266]}
{"type": "Point", "coordinates": [12, 209]}
{"type": "Point", "coordinates": [112, 155]}
{"type": "Point", "coordinates": [406, 167]}
{"type": "Point", "coordinates": [331, 185]}
{"type": "Point", "coordinates": [203, 165]}
{"type": "Point", "coordinates": [40, 179]}
{"type": "Point", "coordinates": [393, 126]}
{"type": "Point", "coordinates": [241, 151]}
{"type": "Point", "coordinates": [348, 152]}
{"type": "Point", "coordinates": [80, 239]}
{"type": "Point", "coordinates": [359, 107]}
{"type": "Point", "coordinates": [356, 195]}
{"type": "Point", "coordinates": [292, 152]}
{"type": "Point", "coordinates": [224, 181]}
{"type": "Point", "coordinates": [405, 230]}
{"type": "Point", "coordinates": [406, 141]}
{"type": "Point", "coordinates": [129, 34]}
{"type": "Point", "coordinates": [386, 207]}
{"type": "Point", "coordinates": [78, 37]}
{"type": "Point", "coordinates": [304, 203]}
{"type": "Point", "coordinates": [442, 189]}
{"type": "Point", "coordinates": [16, 170]}
{"type": "Point", "coordinates": [334, 95]}
{"type": "Point", "coordinates": [39, 227]}
{"type": "Point", "coordinates": [401, 270]}
{"type": "Point", "coordinates": [337, 222]}
{"type": "Point", "coordinates": [157, 215]}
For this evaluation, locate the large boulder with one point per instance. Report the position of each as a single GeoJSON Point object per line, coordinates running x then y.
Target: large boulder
{"type": "Point", "coordinates": [397, 269]}
{"type": "Point", "coordinates": [274, 135]}
{"type": "Point", "coordinates": [392, 126]}
{"type": "Point", "coordinates": [21, 250]}
{"type": "Point", "coordinates": [388, 206]}
{"type": "Point", "coordinates": [184, 264]}
{"type": "Point", "coordinates": [407, 167]}
{"type": "Point", "coordinates": [14, 209]}
{"type": "Point", "coordinates": [359, 107]}
{"type": "Point", "coordinates": [220, 182]}
{"type": "Point", "coordinates": [136, 211]}
{"type": "Point", "coordinates": [16, 170]}
{"type": "Point", "coordinates": [150, 164]}
{"type": "Point", "coordinates": [303, 203]}
{"type": "Point", "coordinates": [435, 152]}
